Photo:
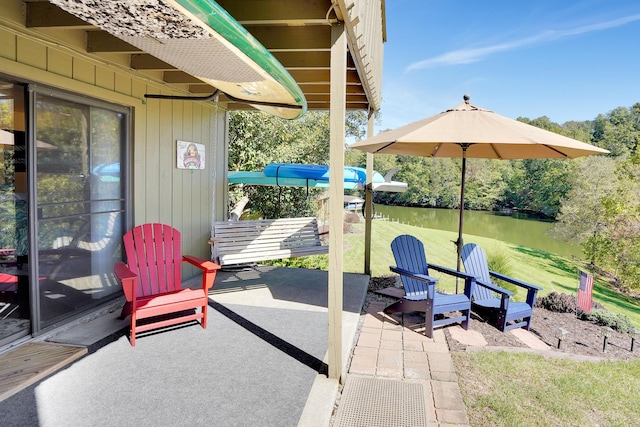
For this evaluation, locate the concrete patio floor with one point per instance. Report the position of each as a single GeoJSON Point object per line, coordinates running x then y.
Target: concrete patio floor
{"type": "Point", "coordinates": [262, 321]}
{"type": "Point", "coordinates": [263, 361]}
{"type": "Point", "coordinates": [299, 289]}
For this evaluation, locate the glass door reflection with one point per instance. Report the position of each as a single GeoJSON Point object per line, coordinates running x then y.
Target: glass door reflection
{"type": "Point", "coordinates": [80, 200]}
{"type": "Point", "coordinates": [15, 313]}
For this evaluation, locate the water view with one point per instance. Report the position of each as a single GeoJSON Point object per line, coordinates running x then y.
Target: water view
{"type": "Point", "coordinates": [518, 229]}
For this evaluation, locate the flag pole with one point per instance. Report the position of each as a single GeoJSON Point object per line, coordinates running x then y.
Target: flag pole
{"type": "Point", "coordinates": [575, 320]}
{"type": "Point", "coordinates": [584, 295]}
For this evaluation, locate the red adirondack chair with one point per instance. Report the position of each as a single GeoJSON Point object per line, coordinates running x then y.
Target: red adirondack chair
{"type": "Point", "coordinates": [151, 280]}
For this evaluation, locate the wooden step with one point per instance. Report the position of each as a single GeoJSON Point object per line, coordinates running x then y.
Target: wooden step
{"type": "Point", "coordinates": [31, 362]}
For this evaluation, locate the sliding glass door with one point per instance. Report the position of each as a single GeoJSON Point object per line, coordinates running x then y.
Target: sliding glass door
{"type": "Point", "coordinates": [62, 206]}
{"type": "Point", "coordinates": [15, 313]}
{"type": "Point", "coordinates": [80, 197]}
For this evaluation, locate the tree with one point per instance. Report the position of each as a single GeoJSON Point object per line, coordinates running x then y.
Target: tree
{"type": "Point", "coordinates": [356, 124]}
{"type": "Point", "coordinates": [486, 183]}
{"type": "Point", "coordinates": [257, 139]}
{"type": "Point", "coordinates": [538, 185]}
{"type": "Point", "coordinates": [581, 131]}
{"type": "Point", "coordinates": [618, 131]}
{"type": "Point", "coordinates": [580, 219]}
{"type": "Point", "coordinates": [602, 213]}
{"type": "Point", "coordinates": [622, 219]}
{"type": "Point", "coordinates": [431, 182]}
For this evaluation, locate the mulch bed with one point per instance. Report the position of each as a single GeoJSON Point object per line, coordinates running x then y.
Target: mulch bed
{"type": "Point", "coordinates": [584, 338]}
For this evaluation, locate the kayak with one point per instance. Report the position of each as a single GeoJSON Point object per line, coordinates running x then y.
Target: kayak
{"type": "Point", "coordinates": [199, 37]}
{"type": "Point", "coordinates": [318, 172]}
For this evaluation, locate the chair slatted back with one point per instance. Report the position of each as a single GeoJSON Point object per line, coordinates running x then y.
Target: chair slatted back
{"type": "Point", "coordinates": [409, 254]}
{"type": "Point", "coordinates": [475, 263]}
{"type": "Point", "coordinates": [153, 253]}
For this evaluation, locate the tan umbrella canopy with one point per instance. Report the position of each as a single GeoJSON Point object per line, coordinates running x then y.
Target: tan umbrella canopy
{"type": "Point", "coordinates": [7, 138]}
{"type": "Point", "coordinates": [467, 131]}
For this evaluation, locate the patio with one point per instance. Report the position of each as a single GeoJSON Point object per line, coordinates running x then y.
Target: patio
{"type": "Point", "coordinates": [261, 361]}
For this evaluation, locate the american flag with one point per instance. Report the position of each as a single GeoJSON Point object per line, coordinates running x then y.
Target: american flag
{"type": "Point", "coordinates": [585, 292]}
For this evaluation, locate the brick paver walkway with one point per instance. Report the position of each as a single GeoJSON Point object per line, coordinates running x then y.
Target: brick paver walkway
{"type": "Point", "coordinates": [395, 347]}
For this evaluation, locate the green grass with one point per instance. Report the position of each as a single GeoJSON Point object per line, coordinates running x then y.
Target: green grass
{"type": "Point", "coordinates": [517, 389]}
{"type": "Point", "coordinates": [521, 389]}
{"type": "Point", "coordinates": [550, 271]}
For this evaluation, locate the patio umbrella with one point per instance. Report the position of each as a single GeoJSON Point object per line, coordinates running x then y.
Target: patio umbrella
{"type": "Point", "coordinates": [467, 131]}
{"type": "Point", "coordinates": [7, 138]}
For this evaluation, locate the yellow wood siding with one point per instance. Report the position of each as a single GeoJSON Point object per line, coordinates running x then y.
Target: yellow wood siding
{"type": "Point", "coordinates": [60, 63]}
{"type": "Point", "coordinates": [84, 71]}
{"type": "Point", "coordinates": [166, 157]}
{"type": "Point", "coordinates": [31, 53]}
{"type": "Point", "coordinates": [160, 191]}
{"type": "Point", "coordinates": [105, 78]}
{"type": "Point", "coordinates": [122, 83]}
{"type": "Point", "coordinates": [8, 45]}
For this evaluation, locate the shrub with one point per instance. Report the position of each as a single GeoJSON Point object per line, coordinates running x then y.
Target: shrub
{"type": "Point", "coordinates": [557, 302]}
{"type": "Point", "coordinates": [351, 218]}
{"type": "Point", "coordinates": [565, 303]}
{"type": "Point", "coordinates": [501, 263]}
{"type": "Point", "coordinates": [618, 322]}
{"type": "Point", "coordinates": [312, 262]}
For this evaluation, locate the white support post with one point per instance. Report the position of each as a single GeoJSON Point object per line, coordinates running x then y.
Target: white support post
{"type": "Point", "coordinates": [368, 200]}
{"type": "Point", "coordinates": [337, 111]}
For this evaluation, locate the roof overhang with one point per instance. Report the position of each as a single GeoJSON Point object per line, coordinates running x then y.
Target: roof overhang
{"type": "Point", "coordinates": [296, 33]}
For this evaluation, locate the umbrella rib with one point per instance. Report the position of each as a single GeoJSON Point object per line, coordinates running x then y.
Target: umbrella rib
{"type": "Point", "coordinates": [498, 155]}
{"type": "Point", "coordinates": [388, 145]}
{"type": "Point", "coordinates": [557, 151]}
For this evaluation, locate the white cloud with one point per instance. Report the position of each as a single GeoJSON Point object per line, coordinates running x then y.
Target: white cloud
{"type": "Point", "coordinates": [467, 56]}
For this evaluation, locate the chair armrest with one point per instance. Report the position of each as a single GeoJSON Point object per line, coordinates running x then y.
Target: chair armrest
{"type": "Point", "coordinates": [532, 290]}
{"type": "Point", "coordinates": [417, 276]}
{"type": "Point", "coordinates": [494, 288]}
{"type": "Point", "coordinates": [505, 294]}
{"type": "Point", "coordinates": [429, 281]}
{"type": "Point", "coordinates": [202, 264]}
{"type": "Point", "coordinates": [208, 268]}
{"type": "Point", "coordinates": [514, 281]}
{"type": "Point", "coordinates": [469, 280]}
{"type": "Point", "coordinates": [128, 279]}
{"type": "Point", "coordinates": [452, 272]}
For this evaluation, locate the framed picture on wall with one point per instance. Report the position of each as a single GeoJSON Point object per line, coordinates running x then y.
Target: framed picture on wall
{"type": "Point", "coordinates": [190, 155]}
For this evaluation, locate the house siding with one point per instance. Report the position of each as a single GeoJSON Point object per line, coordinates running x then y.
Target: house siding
{"type": "Point", "coordinates": [160, 192]}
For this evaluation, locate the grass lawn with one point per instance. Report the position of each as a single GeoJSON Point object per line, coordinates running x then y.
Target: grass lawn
{"type": "Point", "coordinates": [518, 389]}
{"type": "Point", "coordinates": [550, 271]}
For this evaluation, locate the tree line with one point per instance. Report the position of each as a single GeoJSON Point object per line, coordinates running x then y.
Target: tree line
{"type": "Point", "coordinates": [594, 200]}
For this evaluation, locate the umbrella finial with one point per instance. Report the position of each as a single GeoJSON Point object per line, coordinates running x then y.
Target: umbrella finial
{"type": "Point", "coordinates": [466, 97]}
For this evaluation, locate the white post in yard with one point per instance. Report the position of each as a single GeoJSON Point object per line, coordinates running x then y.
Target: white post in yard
{"type": "Point", "coordinates": [337, 112]}
{"type": "Point", "coordinates": [368, 200]}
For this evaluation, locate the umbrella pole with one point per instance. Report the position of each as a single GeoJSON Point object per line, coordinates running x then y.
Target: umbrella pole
{"type": "Point", "coordinates": [459, 242]}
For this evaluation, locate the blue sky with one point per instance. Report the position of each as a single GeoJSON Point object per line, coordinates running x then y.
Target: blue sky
{"type": "Point", "coordinates": [567, 60]}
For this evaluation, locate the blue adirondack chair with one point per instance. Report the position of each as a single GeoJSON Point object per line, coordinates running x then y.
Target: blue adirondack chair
{"type": "Point", "coordinates": [490, 298]}
{"type": "Point", "coordinates": [420, 288]}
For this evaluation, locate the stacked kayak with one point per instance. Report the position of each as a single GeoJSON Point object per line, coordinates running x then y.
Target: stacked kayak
{"type": "Point", "coordinates": [317, 172]}
{"type": "Point", "coordinates": [303, 175]}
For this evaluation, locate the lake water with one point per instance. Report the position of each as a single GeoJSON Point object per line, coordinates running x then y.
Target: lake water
{"type": "Point", "coordinates": [518, 229]}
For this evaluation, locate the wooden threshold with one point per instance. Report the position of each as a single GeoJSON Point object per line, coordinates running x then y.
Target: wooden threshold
{"type": "Point", "coordinates": [31, 362]}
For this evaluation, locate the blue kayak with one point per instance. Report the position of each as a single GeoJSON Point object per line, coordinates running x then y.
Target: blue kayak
{"type": "Point", "coordinates": [295, 170]}
{"type": "Point", "coordinates": [317, 172]}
